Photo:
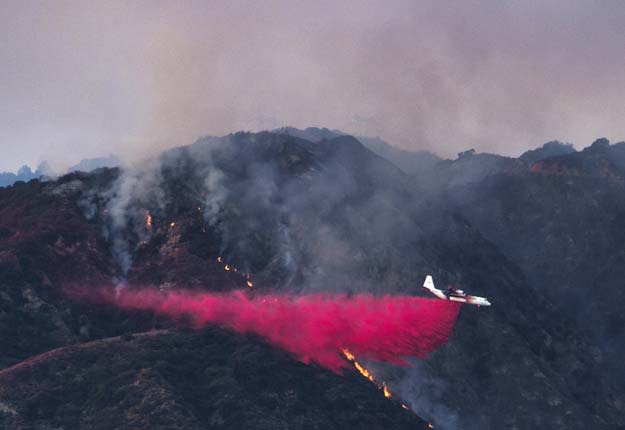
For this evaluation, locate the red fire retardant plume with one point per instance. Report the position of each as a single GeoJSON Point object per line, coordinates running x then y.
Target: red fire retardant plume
{"type": "Point", "coordinates": [313, 327]}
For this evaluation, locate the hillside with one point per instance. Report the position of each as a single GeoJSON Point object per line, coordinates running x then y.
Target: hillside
{"type": "Point", "coordinates": [208, 379]}
{"type": "Point", "coordinates": [298, 216]}
{"type": "Point", "coordinates": [563, 223]}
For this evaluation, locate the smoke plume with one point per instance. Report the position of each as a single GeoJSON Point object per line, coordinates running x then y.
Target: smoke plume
{"type": "Point", "coordinates": [446, 76]}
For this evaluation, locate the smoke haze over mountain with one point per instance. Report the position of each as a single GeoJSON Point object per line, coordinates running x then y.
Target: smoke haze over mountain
{"type": "Point", "coordinates": [331, 218]}
{"type": "Point", "coordinates": [83, 80]}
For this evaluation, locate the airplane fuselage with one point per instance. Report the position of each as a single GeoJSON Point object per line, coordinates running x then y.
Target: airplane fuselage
{"type": "Point", "coordinates": [454, 295]}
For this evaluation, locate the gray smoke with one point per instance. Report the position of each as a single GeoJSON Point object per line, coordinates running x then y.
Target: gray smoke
{"type": "Point", "coordinates": [80, 80]}
{"type": "Point", "coordinates": [311, 217]}
{"type": "Point", "coordinates": [136, 189]}
{"type": "Point", "coordinates": [427, 396]}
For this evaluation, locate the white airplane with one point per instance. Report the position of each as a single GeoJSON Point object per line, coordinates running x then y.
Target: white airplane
{"type": "Point", "coordinates": [453, 294]}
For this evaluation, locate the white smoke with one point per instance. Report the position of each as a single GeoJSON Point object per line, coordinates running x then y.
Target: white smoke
{"type": "Point", "coordinates": [137, 188]}
{"type": "Point", "coordinates": [428, 396]}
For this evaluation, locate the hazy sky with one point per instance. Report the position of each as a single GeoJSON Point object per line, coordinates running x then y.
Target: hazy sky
{"type": "Point", "coordinates": [81, 79]}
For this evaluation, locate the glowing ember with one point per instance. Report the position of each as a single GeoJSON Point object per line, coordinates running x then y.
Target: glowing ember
{"type": "Point", "coordinates": [148, 220]}
{"type": "Point", "coordinates": [246, 276]}
{"type": "Point", "coordinates": [387, 393]}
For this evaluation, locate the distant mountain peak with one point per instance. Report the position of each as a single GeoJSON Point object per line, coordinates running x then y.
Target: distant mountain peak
{"type": "Point", "coordinates": [552, 148]}
{"type": "Point", "coordinates": [600, 144]}
{"type": "Point", "coordinates": [410, 162]}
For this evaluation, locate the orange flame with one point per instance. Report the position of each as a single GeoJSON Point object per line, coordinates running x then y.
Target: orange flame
{"type": "Point", "coordinates": [387, 393]}
{"type": "Point", "coordinates": [148, 220]}
{"type": "Point", "coordinates": [249, 284]}
{"type": "Point", "coordinates": [365, 372]}
{"type": "Point", "coordinates": [348, 355]}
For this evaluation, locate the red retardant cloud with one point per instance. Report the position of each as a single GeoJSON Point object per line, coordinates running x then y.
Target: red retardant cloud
{"type": "Point", "coordinates": [315, 328]}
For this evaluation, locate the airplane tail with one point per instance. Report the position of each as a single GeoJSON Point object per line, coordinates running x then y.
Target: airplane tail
{"type": "Point", "coordinates": [429, 283]}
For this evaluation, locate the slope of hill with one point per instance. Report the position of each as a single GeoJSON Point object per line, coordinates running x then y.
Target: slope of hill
{"type": "Point", "coordinates": [298, 216]}
{"type": "Point", "coordinates": [468, 168]}
{"type": "Point", "coordinates": [209, 379]}
{"type": "Point", "coordinates": [563, 224]}
{"type": "Point", "coordinates": [411, 162]}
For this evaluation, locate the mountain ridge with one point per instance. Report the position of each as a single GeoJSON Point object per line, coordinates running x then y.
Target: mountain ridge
{"type": "Point", "coordinates": [300, 216]}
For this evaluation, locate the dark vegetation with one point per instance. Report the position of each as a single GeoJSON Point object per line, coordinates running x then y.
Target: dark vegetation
{"type": "Point", "coordinates": [548, 150]}
{"type": "Point", "coordinates": [208, 379]}
{"type": "Point", "coordinates": [543, 241]}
